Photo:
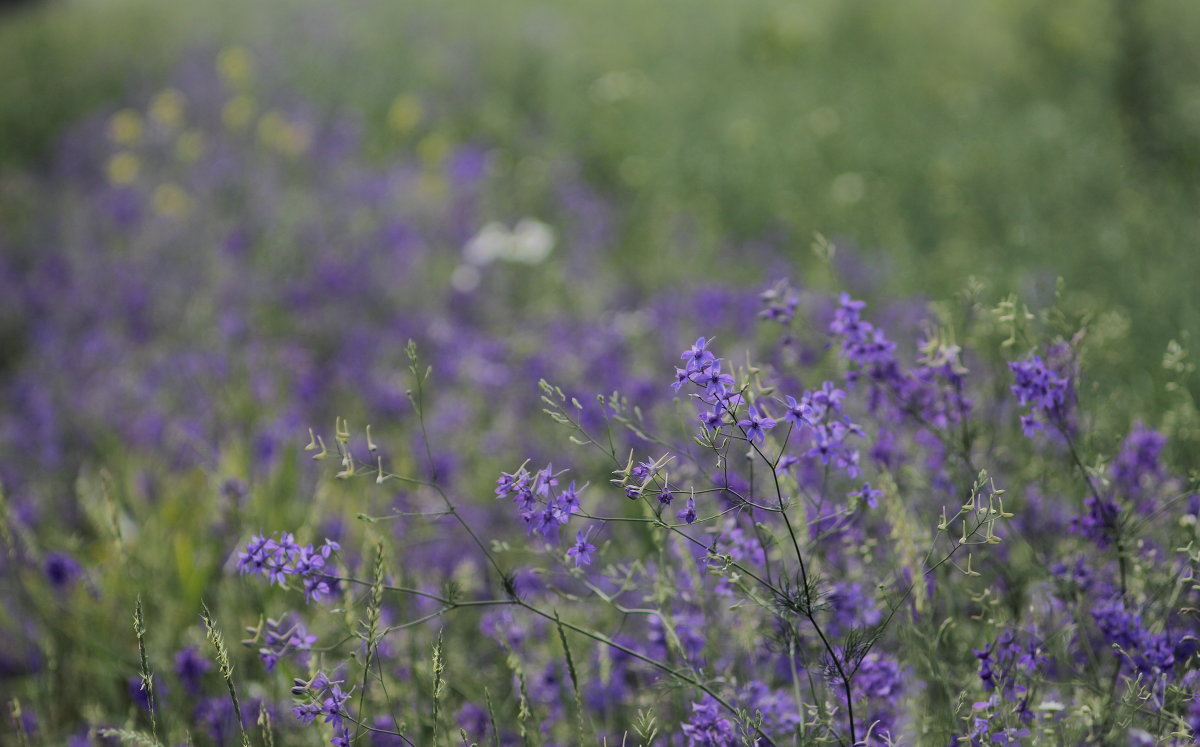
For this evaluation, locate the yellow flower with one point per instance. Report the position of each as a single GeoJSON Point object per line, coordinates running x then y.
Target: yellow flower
{"type": "Point", "coordinates": [170, 199]}
{"type": "Point", "coordinates": [125, 127]}
{"type": "Point", "coordinates": [235, 65]}
{"type": "Point", "coordinates": [433, 148]}
{"type": "Point", "coordinates": [189, 147]}
{"type": "Point", "coordinates": [123, 168]}
{"type": "Point", "coordinates": [167, 108]}
{"type": "Point", "coordinates": [238, 112]}
{"type": "Point", "coordinates": [405, 114]}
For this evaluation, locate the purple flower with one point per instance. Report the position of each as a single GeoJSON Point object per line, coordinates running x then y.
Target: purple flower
{"type": "Point", "coordinates": [688, 513]}
{"type": "Point", "coordinates": [279, 641]}
{"type": "Point", "coordinates": [569, 499]}
{"type": "Point", "coordinates": [1043, 390]}
{"type": "Point", "coordinates": [1138, 467]}
{"type": "Point", "coordinates": [582, 550]}
{"type": "Point", "coordinates": [868, 495]}
{"type": "Point", "coordinates": [780, 303]}
{"type": "Point", "coordinates": [795, 412]}
{"type": "Point", "coordinates": [756, 425]}
{"type": "Point", "coordinates": [681, 376]}
{"type": "Point", "coordinates": [707, 726]}
{"type": "Point", "coordinates": [307, 713]}
{"type": "Point", "coordinates": [190, 668]}
{"type": "Point", "coordinates": [697, 356]}
{"type": "Point", "coordinates": [715, 383]}
{"type": "Point", "coordinates": [711, 419]}
{"type": "Point", "coordinates": [512, 483]}
{"type": "Point", "coordinates": [61, 570]}
{"type": "Point", "coordinates": [277, 560]}
{"type": "Point", "coordinates": [544, 480]}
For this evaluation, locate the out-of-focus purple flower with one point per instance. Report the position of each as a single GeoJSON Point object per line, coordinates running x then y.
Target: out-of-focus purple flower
{"type": "Point", "coordinates": [1044, 390]}
{"type": "Point", "coordinates": [707, 727]}
{"type": "Point", "coordinates": [190, 667]}
{"type": "Point", "coordinates": [61, 570]}
{"type": "Point", "coordinates": [1138, 466]}
{"type": "Point", "coordinates": [141, 696]}
{"type": "Point", "coordinates": [280, 639]}
{"type": "Point", "coordinates": [867, 495]}
{"type": "Point", "coordinates": [1150, 654]}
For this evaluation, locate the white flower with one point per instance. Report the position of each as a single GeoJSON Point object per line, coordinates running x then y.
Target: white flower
{"type": "Point", "coordinates": [532, 242]}
{"type": "Point", "coordinates": [529, 242]}
{"type": "Point", "coordinates": [489, 244]}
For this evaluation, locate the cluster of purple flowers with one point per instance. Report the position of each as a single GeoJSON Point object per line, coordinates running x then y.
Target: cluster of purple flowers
{"type": "Point", "coordinates": [779, 303]}
{"type": "Point", "coordinates": [1140, 651]}
{"type": "Point", "coordinates": [861, 342]}
{"type": "Point", "coordinates": [1008, 667]}
{"type": "Point", "coordinates": [327, 699]}
{"type": "Point", "coordinates": [1044, 390]}
{"type": "Point", "coordinates": [1138, 469]}
{"type": "Point", "coordinates": [1006, 663]}
{"type": "Point", "coordinates": [543, 508]}
{"type": "Point", "coordinates": [190, 667]}
{"type": "Point", "coordinates": [283, 558]}
{"type": "Point", "coordinates": [932, 393]}
{"type": "Point", "coordinates": [280, 639]}
{"type": "Point", "coordinates": [703, 369]}
{"type": "Point", "coordinates": [820, 414]}
{"type": "Point", "coordinates": [708, 727]}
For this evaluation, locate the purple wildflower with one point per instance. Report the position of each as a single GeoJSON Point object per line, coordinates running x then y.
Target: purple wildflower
{"type": "Point", "coordinates": [582, 550]}
{"type": "Point", "coordinates": [756, 425]}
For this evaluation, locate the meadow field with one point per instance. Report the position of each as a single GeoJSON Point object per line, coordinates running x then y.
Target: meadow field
{"type": "Point", "coordinates": [599, 373]}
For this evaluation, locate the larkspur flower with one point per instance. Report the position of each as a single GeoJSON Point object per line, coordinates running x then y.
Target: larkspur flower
{"type": "Point", "coordinates": [281, 559]}
{"type": "Point", "coordinates": [511, 483]}
{"type": "Point", "coordinates": [707, 727]}
{"type": "Point", "coordinates": [643, 471]}
{"type": "Point", "coordinates": [715, 383]}
{"type": "Point", "coordinates": [280, 640]}
{"type": "Point", "coordinates": [786, 462]}
{"type": "Point", "coordinates": [780, 303]}
{"type": "Point", "coordinates": [61, 570]}
{"type": "Point", "coordinates": [711, 419]}
{"type": "Point", "coordinates": [581, 551]}
{"type": "Point", "coordinates": [545, 480]}
{"type": "Point", "coordinates": [697, 356]}
{"type": "Point", "coordinates": [569, 499]}
{"type": "Point", "coordinates": [307, 713]}
{"type": "Point", "coordinates": [796, 412]}
{"type": "Point", "coordinates": [335, 705]}
{"type": "Point", "coordinates": [1044, 390]}
{"type": "Point", "coordinates": [681, 377]}
{"type": "Point", "coordinates": [190, 667]}
{"type": "Point", "coordinates": [756, 425]}
{"type": "Point", "coordinates": [868, 495]}
{"type": "Point", "coordinates": [688, 513]}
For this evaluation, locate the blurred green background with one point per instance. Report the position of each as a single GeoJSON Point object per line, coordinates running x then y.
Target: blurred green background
{"type": "Point", "coordinates": [1010, 140]}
